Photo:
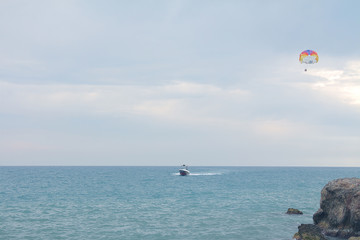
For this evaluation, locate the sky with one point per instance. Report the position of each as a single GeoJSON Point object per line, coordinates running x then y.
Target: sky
{"type": "Point", "coordinates": [162, 83]}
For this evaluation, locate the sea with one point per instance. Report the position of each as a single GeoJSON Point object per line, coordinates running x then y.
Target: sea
{"type": "Point", "coordinates": [155, 203]}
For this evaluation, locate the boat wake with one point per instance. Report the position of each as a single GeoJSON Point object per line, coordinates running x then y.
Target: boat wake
{"type": "Point", "coordinates": [205, 174]}
{"type": "Point", "coordinates": [200, 174]}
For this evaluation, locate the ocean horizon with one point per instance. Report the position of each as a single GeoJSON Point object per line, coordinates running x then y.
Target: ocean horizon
{"type": "Point", "coordinates": [154, 202]}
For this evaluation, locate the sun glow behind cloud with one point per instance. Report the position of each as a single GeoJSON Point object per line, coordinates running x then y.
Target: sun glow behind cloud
{"type": "Point", "coordinates": [341, 84]}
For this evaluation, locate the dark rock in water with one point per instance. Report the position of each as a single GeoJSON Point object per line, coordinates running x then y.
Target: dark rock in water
{"type": "Point", "coordinates": [293, 211]}
{"type": "Point", "coordinates": [309, 232]}
{"type": "Point", "coordinates": [339, 213]}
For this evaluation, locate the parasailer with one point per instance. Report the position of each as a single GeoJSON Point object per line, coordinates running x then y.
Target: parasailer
{"type": "Point", "coordinates": [308, 57]}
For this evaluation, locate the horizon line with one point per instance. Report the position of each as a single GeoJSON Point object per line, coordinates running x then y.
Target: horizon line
{"type": "Point", "coordinates": [269, 166]}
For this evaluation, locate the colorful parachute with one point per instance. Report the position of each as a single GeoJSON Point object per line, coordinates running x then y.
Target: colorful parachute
{"type": "Point", "coordinates": [309, 57]}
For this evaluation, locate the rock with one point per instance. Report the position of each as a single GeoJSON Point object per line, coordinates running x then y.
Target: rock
{"type": "Point", "coordinates": [309, 232]}
{"type": "Point", "coordinates": [339, 213]}
{"type": "Point", "coordinates": [354, 238]}
{"type": "Point", "coordinates": [293, 211]}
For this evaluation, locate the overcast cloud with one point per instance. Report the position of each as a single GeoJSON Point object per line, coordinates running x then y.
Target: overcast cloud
{"type": "Point", "coordinates": [172, 82]}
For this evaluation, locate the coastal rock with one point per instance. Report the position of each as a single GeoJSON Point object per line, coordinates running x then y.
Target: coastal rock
{"type": "Point", "coordinates": [293, 211]}
{"type": "Point", "coordinates": [339, 213]}
{"type": "Point", "coordinates": [309, 232]}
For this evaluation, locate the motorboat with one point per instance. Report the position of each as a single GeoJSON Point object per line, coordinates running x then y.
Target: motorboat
{"type": "Point", "coordinates": [184, 170]}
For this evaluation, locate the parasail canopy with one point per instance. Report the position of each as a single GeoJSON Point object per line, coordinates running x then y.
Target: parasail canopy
{"type": "Point", "coordinates": [309, 57]}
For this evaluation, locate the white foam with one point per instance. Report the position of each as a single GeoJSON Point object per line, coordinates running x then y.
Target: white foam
{"type": "Point", "coordinates": [205, 174]}
{"type": "Point", "coordinates": [200, 174]}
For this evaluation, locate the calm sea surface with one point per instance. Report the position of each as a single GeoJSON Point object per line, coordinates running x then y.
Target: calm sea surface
{"type": "Point", "coordinates": [156, 203]}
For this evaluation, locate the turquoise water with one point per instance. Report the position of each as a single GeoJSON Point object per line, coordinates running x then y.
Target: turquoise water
{"type": "Point", "coordinates": [157, 203]}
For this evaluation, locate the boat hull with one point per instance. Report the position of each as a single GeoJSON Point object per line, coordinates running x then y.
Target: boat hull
{"type": "Point", "coordinates": [184, 172]}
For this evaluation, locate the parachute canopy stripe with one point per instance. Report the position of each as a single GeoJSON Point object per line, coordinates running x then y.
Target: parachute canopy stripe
{"type": "Point", "coordinates": [309, 57]}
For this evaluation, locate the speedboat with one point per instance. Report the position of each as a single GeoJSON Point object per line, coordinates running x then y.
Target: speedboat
{"type": "Point", "coordinates": [184, 170]}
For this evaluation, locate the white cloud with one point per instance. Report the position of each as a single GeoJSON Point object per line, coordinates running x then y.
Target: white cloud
{"type": "Point", "coordinates": [277, 128]}
{"type": "Point", "coordinates": [192, 88]}
{"type": "Point", "coordinates": [22, 145]}
{"type": "Point", "coordinates": [201, 106]}
{"type": "Point", "coordinates": [173, 101]}
{"type": "Point", "coordinates": [340, 84]}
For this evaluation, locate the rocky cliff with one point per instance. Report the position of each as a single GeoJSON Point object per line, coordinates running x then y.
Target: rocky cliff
{"type": "Point", "coordinates": [309, 232]}
{"type": "Point", "coordinates": [339, 213]}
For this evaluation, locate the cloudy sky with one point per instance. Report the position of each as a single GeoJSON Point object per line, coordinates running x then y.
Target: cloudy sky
{"type": "Point", "coordinates": [212, 83]}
